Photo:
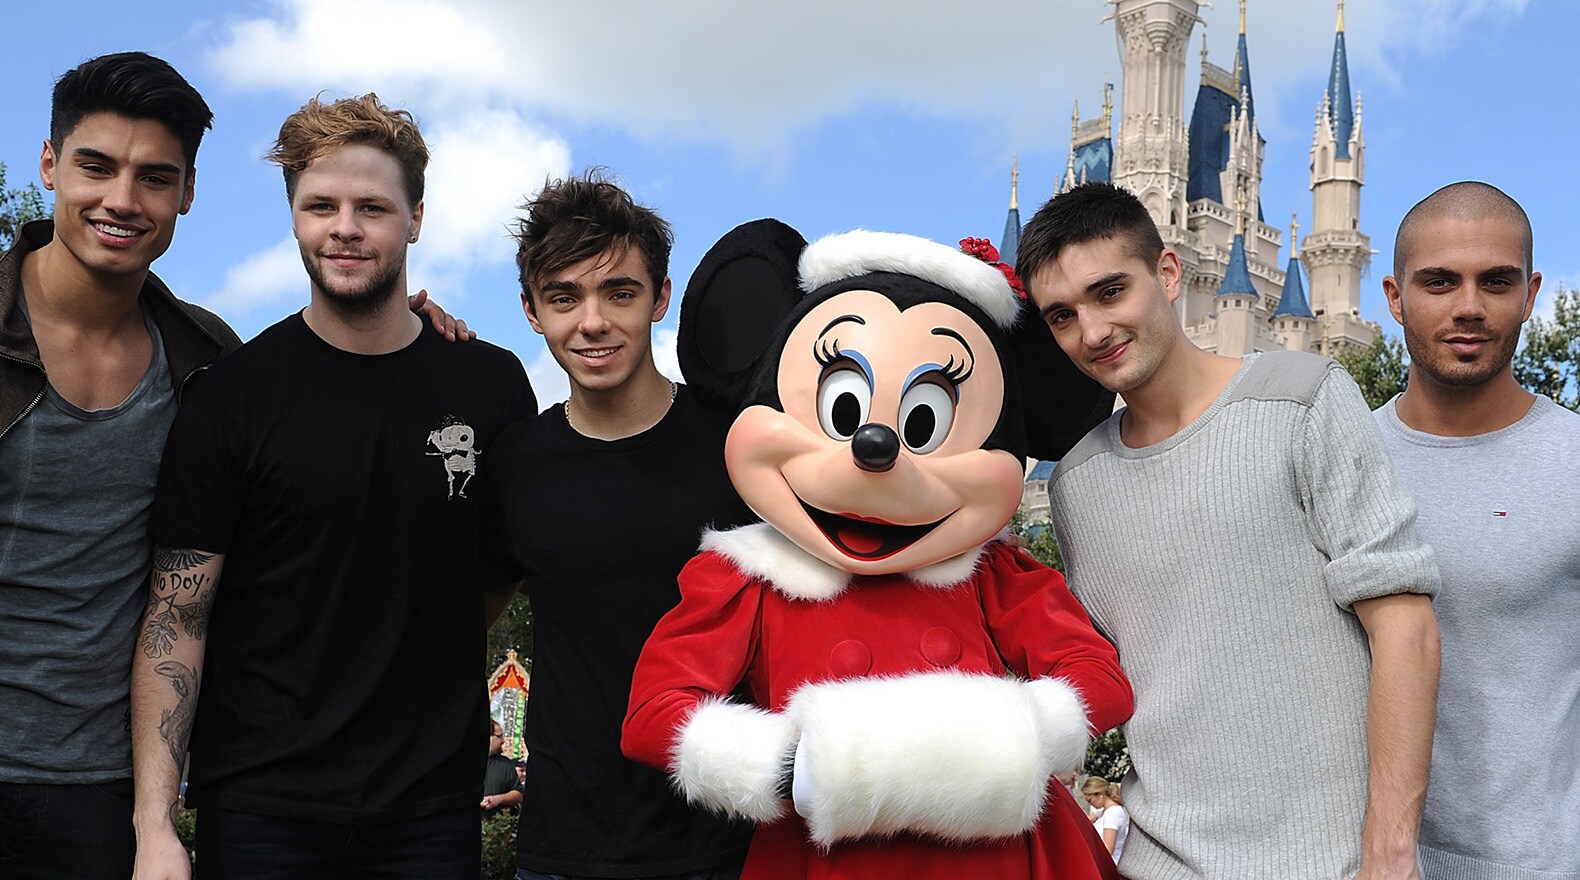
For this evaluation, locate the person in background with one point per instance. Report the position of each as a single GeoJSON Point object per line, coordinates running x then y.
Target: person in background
{"type": "Point", "coordinates": [1113, 823]}
{"type": "Point", "coordinates": [501, 780]}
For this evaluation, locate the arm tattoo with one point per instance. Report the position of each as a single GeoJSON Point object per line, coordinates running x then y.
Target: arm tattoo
{"type": "Point", "coordinates": [175, 724]}
{"type": "Point", "coordinates": [180, 594]}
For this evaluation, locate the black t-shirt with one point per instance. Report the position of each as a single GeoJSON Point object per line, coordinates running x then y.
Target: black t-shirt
{"type": "Point", "coordinates": [500, 777]}
{"type": "Point", "coordinates": [601, 530]}
{"type": "Point", "coordinates": [341, 679]}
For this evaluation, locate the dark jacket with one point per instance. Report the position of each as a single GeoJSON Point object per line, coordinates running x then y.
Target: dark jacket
{"type": "Point", "coordinates": [194, 338]}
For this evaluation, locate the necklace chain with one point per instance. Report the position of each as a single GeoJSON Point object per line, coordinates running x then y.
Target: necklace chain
{"type": "Point", "coordinates": [673, 390]}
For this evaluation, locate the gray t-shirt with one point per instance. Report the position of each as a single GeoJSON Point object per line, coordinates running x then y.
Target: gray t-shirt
{"type": "Point", "coordinates": [75, 492]}
{"type": "Point", "coordinates": [1223, 563]}
{"type": "Point", "coordinates": [1502, 510]}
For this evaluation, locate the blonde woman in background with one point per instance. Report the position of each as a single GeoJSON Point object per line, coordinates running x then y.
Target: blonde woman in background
{"type": "Point", "coordinates": [1113, 823]}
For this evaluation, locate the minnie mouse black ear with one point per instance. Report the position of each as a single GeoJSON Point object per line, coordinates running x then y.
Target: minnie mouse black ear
{"type": "Point", "coordinates": [734, 303]}
{"type": "Point", "coordinates": [1061, 403]}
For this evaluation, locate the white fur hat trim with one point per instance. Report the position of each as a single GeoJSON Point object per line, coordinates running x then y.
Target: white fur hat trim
{"type": "Point", "coordinates": [860, 252]}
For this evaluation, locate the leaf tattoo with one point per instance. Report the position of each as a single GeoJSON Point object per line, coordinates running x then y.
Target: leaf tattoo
{"type": "Point", "coordinates": [159, 634]}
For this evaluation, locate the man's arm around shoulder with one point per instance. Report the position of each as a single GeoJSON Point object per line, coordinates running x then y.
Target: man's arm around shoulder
{"type": "Point", "coordinates": [166, 673]}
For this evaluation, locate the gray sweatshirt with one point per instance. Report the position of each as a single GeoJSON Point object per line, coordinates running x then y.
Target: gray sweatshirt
{"type": "Point", "coordinates": [1223, 563]}
{"type": "Point", "coordinates": [1502, 510]}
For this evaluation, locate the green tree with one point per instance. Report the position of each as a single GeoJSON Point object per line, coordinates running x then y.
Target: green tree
{"type": "Point", "coordinates": [1549, 362]}
{"type": "Point", "coordinates": [512, 631]}
{"type": "Point", "coordinates": [1379, 368]}
{"type": "Point", "coordinates": [18, 206]}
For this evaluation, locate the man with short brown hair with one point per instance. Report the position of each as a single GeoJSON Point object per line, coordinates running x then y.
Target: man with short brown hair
{"type": "Point", "coordinates": [644, 460]}
{"type": "Point", "coordinates": [1238, 532]}
{"type": "Point", "coordinates": [331, 472]}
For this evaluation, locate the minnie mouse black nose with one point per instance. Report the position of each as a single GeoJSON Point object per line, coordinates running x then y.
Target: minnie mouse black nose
{"type": "Point", "coordinates": [875, 447]}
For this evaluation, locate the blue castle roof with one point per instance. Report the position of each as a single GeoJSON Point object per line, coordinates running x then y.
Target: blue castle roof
{"type": "Point", "coordinates": [1237, 279]}
{"type": "Point", "coordinates": [1041, 471]}
{"type": "Point", "coordinates": [1242, 63]}
{"type": "Point", "coordinates": [1293, 300]}
{"type": "Point", "coordinates": [1094, 161]}
{"type": "Point", "coordinates": [1011, 240]}
{"type": "Point", "coordinates": [1341, 110]}
{"type": "Point", "coordinates": [1209, 143]}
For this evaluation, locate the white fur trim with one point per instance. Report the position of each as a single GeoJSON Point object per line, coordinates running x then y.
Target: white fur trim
{"type": "Point", "coordinates": [1061, 723]}
{"type": "Point", "coordinates": [950, 572]}
{"type": "Point", "coordinates": [860, 252]}
{"type": "Point", "coordinates": [763, 552]}
{"type": "Point", "coordinates": [953, 756]}
{"type": "Point", "coordinates": [730, 757]}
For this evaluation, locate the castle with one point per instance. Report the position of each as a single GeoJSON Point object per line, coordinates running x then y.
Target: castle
{"type": "Point", "coordinates": [1201, 180]}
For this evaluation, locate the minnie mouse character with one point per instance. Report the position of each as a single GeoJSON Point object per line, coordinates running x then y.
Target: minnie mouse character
{"type": "Point", "coordinates": [913, 684]}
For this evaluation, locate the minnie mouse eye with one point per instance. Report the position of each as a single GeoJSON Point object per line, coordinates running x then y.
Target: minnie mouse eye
{"type": "Point", "coordinates": [927, 411]}
{"type": "Point", "coordinates": [843, 400]}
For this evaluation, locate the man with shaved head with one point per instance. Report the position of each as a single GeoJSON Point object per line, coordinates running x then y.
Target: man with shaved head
{"type": "Point", "coordinates": [1496, 472]}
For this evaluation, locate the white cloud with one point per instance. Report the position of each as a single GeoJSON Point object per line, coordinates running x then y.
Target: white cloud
{"type": "Point", "coordinates": [664, 353]}
{"type": "Point", "coordinates": [267, 277]}
{"type": "Point", "coordinates": [484, 163]}
{"type": "Point", "coordinates": [753, 75]}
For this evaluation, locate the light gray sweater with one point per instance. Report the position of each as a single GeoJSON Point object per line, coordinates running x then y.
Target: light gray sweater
{"type": "Point", "coordinates": [1223, 562]}
{"type": "Point", "coordinates": [1502, 510]}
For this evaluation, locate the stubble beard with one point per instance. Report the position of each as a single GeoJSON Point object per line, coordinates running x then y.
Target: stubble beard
{"type": "Point", "coordinates": [361, 301]}
{"type": "Point", "coordinates": [1444, 368]}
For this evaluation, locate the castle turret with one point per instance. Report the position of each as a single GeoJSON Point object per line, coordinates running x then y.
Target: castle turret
{"type": "Point", "coordinates": [1293, 321]}
{"type": "Point", "coordinates": [1336, 252]}
{"type": "Point", "coordinates": [1150, 156]}
{"type": "Point", "coordinates": [1237, 298]}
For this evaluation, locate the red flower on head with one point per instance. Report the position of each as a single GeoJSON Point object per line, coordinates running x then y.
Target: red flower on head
{"type": "Point", "coordinates": [984, 250]}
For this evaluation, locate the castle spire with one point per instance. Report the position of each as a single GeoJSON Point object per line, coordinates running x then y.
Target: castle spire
{"type": "Point", "coordinates": [1341, 110]}
{"type": "Point", "coordinates": [1204, 61]}
{"type": "Point", "coordinates": [1010, 242]}
{"type": "Point", "coordinates": [1292, 302]}
{"type": "Point", "coordinates": [1014, 183]}
{"type": "Point", "coordinates": [1242, 14]}
{"type": "Point", "coordinates": [1242, 70]}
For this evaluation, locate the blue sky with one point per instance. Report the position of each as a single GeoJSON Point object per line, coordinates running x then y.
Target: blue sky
{"type": "Point", "coordinates": [829, 114]}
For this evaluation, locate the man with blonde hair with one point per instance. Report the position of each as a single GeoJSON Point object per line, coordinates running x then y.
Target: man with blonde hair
{"type": "Point", "coordinates": [331, 473]}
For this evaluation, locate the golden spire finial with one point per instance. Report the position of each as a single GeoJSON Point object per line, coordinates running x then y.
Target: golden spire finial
{"type": "Point", "coordinates": [1340, 28]}
{"type": "Point", "coordinates": [1014, 183]}
{"type": "Point", "coordinates": [1242, 15]}
{"type": "Point", "coordinates": [1108, 102]}
{"type": "Point", "coordinates": [1075, 119]}
{"type": "Point", "coordinates": [1203, 53]}
{"type": "Point", "coordinates": [1294, 235]}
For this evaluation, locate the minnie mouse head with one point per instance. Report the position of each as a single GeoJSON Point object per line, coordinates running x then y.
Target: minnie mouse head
{"type": "Point", "coordinates": [884, 383]}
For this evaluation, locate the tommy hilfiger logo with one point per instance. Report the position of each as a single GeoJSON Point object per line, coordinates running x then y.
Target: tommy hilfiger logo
{"type": "Point", "coordinates": [1500, 513]}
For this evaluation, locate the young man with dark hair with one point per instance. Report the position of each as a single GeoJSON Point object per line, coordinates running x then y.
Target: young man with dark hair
{"type": "Point", "coordinates": [95, 354]}
{"type": "Point", "coordinates": [607, 495]}
{"type": "Point", "coordinates": [1238, 532]}
{"type": "Point", "coordinates": [1496, 472]}
{"type": "Point", "coordinates": [331, 474]}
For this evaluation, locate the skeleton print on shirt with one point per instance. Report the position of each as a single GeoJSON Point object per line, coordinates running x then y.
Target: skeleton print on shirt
{"type": "Point", "coordinates": [455, 442]}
